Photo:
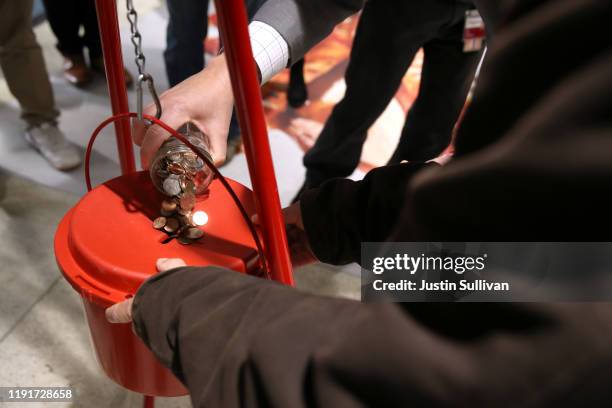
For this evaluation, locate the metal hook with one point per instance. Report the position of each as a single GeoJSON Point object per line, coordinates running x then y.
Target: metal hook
{"type": "Point", "coordinates": [139, 96]}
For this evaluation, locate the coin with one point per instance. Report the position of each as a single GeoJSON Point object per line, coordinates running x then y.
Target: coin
{"type": "Point", "coordinates": [172, 225]}
{"type": "Point", "coordinates": [179, 175]}
{"type": "Point", "coordinates": [174, 157]}
{"type": "Point", "coordinates": [189, 187]}
{"type": "Point", "coordinates": [168, 206]}
{"type": "Point", "coordinates": [184, 240]}
{"type": "Point", "coordinates": [194, 233]}
{"type": "Point", "coordinates": [187, 201]}
{"type": "Point", "coordinates": [176, 168]}
{"type": "Point", "coordinates": [184, 211]}
{"type": "Point", "coordinates": [159, 222]}
{"type": "Point", "coordinates": [186, 219]}
{"type": "Point", "coordinates": [172, 186]}
{"type": "Point", "coordinates": [199, 218]}
{"type": "Point", "coordinates": [189, 161]}
{"type": "Point", "coordinates": [167, 213]}
{"type": "Point", "coordinates": [197, 142]}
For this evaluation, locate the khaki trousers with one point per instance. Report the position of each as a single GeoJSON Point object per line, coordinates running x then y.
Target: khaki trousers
{"type": "Point", "coordinates": [22, 63]}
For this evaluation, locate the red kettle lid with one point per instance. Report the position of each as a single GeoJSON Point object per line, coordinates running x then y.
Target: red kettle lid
{"type": "Point", "coordinates": [106, 245]}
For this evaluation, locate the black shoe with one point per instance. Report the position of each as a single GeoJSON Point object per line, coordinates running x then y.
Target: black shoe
{"type": "Point", "coordinates": [297, 93]}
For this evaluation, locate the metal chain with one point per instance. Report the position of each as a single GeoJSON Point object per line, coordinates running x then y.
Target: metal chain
{"type": "Point", "coordinates": [136, 38]}
{"type": "Point", "coordinates": [140, 61]}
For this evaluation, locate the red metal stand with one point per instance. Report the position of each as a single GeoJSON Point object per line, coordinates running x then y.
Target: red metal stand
{"type": "Point", "coordinates": [233, 26]}
{"type": "Point", "coordinates": [115, 76]}
{"type": "Point", "coordinates": [148, 402]}
{"type": "Point", "coordinates": [245, 85]}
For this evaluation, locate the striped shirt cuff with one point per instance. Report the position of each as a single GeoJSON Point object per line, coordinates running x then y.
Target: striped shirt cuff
{"type": "Point", "coordinates": [270, 50]}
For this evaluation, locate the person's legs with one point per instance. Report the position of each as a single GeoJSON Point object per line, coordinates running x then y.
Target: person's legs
{"type": "Point", "coordinates": [382, 51]}
{"type": "Point", "coordinates": [445, 81]}
{"type": "Point", "coordinates": [91, 34]}
{"type": "Point", "coordinates": [234, 139]}
{"type": "Point", "coordinates": [187, 26]}
{"type": "Point", "coordinates": [65, 21]}
{"type": "Point", "coordinates": [63, 17]}
{"type": "Point", "coordinates": [91, 39]}
{"type": "Point", "coordinates": [297, 93]}
{"type": "Point", "coordinates": [23, 65]}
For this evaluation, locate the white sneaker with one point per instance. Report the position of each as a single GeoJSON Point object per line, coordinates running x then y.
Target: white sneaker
{"type": "Point", "coordinates": [51, 143]}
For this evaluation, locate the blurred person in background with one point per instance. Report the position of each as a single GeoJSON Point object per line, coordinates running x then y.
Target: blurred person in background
{"type": "Point", "coordinates": [24, 69]}
{"type": "Point", "coordinates": [66, 18]}
{"type": "Point", "coordinates": [388, 37]}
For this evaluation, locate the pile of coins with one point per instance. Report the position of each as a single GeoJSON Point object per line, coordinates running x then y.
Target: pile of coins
{"type": "Point", "coordinates": [177, 172]}
{"type": "Point", "coordinates": [180, 174]}
{"type": "Point", "coordinates": [178, 221]}
{"type": "Point", "coordinates": [175, 169]}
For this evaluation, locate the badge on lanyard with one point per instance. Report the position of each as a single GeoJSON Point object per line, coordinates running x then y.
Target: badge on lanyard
{"type": "Point", "coordinates": [474, 32]}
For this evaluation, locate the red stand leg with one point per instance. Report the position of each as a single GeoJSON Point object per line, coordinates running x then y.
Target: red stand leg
{"type": "Point", "coordinates": [247, 96]}
{"type": "Point", "coordinates": [148, 402]}
{"type": "Point", "coordinates": [115, 76]}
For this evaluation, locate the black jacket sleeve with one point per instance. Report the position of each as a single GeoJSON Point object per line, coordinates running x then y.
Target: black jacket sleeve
{"type": "Point", "coordinates": [342, 213]}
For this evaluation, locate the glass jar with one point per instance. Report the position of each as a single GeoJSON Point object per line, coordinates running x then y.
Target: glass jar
{"type": "Point", "coordinates": [176, 170]}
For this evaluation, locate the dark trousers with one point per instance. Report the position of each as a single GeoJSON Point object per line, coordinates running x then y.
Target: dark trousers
{"type": "Point", "coordinates": [187, 29]}
{"type": "Point", "coordinates": [66, 18]}
{"type": "Point", "coordinates": [388, 36]}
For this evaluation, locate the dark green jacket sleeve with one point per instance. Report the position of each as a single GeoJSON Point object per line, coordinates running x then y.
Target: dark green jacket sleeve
{"type": "Point", "coordinates": [237, 341]}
